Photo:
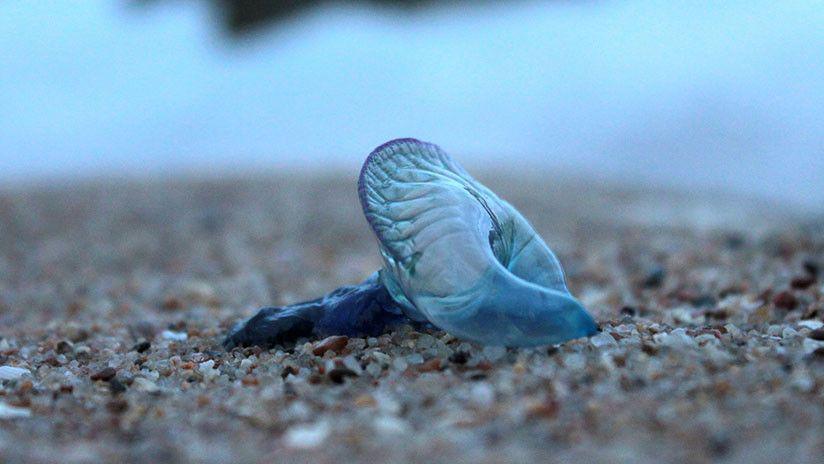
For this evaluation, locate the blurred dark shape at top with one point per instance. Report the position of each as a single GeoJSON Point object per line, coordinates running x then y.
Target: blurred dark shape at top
{"type": "Point", "coordinates": [239, 17]}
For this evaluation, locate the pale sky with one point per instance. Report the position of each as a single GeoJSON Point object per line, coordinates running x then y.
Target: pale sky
{"type": "Point", "coordinates": [693, 94]}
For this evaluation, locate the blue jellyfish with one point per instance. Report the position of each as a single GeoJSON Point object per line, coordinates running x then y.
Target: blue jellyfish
{"type": "Point", "coordinates": [454, 256]}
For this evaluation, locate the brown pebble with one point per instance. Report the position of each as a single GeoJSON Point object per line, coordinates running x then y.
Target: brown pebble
{"type": "Point", "coordinates": [785, 300]}
{"type": "Point", "coordinates": [543, 409]}
{"type": "Point", "coordinates": [650, 350]}
{"type": "Point", "coordinates": [717, 313]}
{"type": "Point", "coordinates": [289, 369]}
{"type": "Point", "coordinates": [104, 374]}
{"type": "Point", "coordinates": [722, 387]}
{"type": "Point", "coordinates": [24, 387]}
{"type": "Point", "coordinates": [484, 365]}
{"type": "Point", "coordinates": [252, 350]}
{"type": "Point", "coordinates": [817, 334]}
{"type": "Point", "coordinates": [334, 343]}
{"type": "Point", "coordinates": [432, 365]}
{"type": "Point", "coordinates": [365, 401]}
{"type": "Point", "coordinates": [250, 381]}
{"type": "Point", "coordinates": [117, 405]}
{"type": "Point", "coordinates": [172, 303]}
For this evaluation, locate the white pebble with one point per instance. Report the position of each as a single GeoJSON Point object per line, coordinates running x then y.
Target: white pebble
{"type": "Point", "coordinates": [175, 336]}
{"type": "Point", "coordinates": [307, 436]}
{"type": "Point", "coordinates": [400, 364]}
{"type": "Point", "coordinates": [811, 345]}
{"type": "Point", "coordinates": [12, 373]}
{"type": "Point", "coordinates": [603, 339]}
{"type": "Point", "coordinates": [246, 364]}
{"type": "Point", "coordinates": [145, 385]}
{"type": "Point", "coordinates": [390, 425]}
{"type": "Point", "coordinates": [575, 361]}
{"type": "Point", "coordinates": [374, 369]}
{"type": "Point", "coordinates": [811, 324]}
{"type": "Point", "coordinates": [387, 404]}
{"type": "Point", "coordinates": [482, 394]}
{"type": "Point", "coordinates": [381, 357]}
{"type": "Point", "coordinates": [11, 412]}
{"type": "Point", "coordinates": [425, 341]}
{"type": "Point", "coordinates": [207, 368]}
{"type": "Point", "coordinates": [677, 337]}
{"type": "Point", "coordinates": [734, 331]}
{"type": "Point", "coordinates": [802, 380]}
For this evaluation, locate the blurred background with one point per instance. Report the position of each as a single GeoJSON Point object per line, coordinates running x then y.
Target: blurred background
{"type": "Point", "coordinates": [692, 95]}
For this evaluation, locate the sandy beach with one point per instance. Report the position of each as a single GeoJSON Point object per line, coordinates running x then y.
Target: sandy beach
{"type": "Point", "coordinates": [115, 296]}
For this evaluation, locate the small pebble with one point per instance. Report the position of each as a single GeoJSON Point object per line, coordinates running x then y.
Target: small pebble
{"type": "Point", "coordinates": [339, 374]}
{"type": "Point", "coordinates": [677, 338]}
{"type": "Point", "coordinates": [459, 357]}
{"type": "Point", "coordinates": [432, 365]}
{"type": "Point", "coordinates": [12, 373]}
{"type": "Point", "coordinates": [603, 339]}
{"type": "Point", "coordinates": [482, 394]}
{"type": "Point", "coordinates": [246, 364]}
{"type": "Point", "coordinates": [12, 412]}
{"type": "Point", "coordinates": [104, 374]}
{"type": "Point", "coordinates": [630, 311]}
{"type": "Point", "coordinates": [307, 436]}
{"type": "Point", "coordinates": [207, 369]}
{"type": "Point", "coordinates": [365, 401]}
{"type": "Point", "coordinates": [390, 425]}
{"type": "Point", "coordinates": [174, 336]}
{"type": "Point", "coordinates": [654, 278]}
{"type": "Point", "coordinates": [817, 334]}
{"type": "Point", "coordinates": [811, 324]}
{"type": "Point", "coordinates": [116, 386]}
{"type": "Point", "coordinates": [145, 385]}
{"type": "Point", "coordinates": [117, 405]}
{"type": "Point", "coordinates": [334, 343]}
{"type": "Point", "coordinates": [64, 347]}
{"type": "Point", "coordinates": [812, 268]}
{"type": "Point", "coordinates": [802, 282]}
{"type": "Point", "coordinates": [142, 346]}
{"type": "Point", "coordinates": [785, 300]}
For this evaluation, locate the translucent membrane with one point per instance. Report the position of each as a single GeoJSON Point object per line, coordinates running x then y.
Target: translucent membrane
{"type": "Point", "coordinates": [461, 258]}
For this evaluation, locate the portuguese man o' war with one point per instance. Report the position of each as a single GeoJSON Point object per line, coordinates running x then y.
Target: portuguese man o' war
{"type": "Point", "coordinates": [455, 256]}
